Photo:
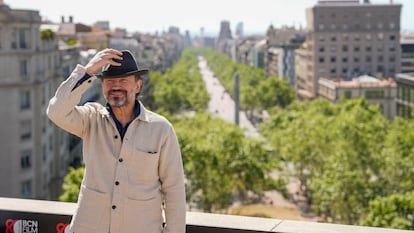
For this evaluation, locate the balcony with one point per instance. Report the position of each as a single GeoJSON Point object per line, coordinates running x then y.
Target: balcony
{"type": "Point", "coordinates": [36, 216]}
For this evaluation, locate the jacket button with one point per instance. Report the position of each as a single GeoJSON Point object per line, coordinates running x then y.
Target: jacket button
{"type": "Point", "coordinates": [121, 160]}
{"type": "Point", "coordinates": [116, 182]}
{"type": "Point", "coordinates": [114, 207]}
{"type": "Point", "coordinates": [116, 137]}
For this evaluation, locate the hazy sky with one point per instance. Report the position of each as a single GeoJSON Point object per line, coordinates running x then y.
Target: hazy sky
{"type": "Point", "coordinates": [157, 15]}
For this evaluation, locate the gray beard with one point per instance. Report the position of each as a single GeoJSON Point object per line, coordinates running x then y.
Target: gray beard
{"type": "Point", "coordinates": [118, 102]}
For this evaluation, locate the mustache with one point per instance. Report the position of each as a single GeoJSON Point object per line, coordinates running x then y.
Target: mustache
{"type": "Point", "coordinates": [115, 91]}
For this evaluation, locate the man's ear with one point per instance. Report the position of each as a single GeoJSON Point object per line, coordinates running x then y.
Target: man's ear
{"type": "Point", "coordinates": [139, 85]}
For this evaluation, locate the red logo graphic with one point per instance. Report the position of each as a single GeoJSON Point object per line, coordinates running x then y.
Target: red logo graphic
{"type": "Point", "coordinates": [9, 225]}
{"type": "Point", "coordinates": [60, 227]}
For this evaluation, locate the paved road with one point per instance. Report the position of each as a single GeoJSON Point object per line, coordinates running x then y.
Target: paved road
{"type": "Point", "coordinates": [221, 103]}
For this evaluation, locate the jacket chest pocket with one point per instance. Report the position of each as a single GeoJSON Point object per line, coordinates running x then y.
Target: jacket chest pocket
{"type": "Point", "coordinates": [143, 166]}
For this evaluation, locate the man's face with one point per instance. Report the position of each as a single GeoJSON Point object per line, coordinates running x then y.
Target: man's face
{"type": "Point", "coordinates": [120, 92]}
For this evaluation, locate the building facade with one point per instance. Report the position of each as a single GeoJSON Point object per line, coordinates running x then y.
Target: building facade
{"type": "Point", "coordinates": [346, 39]}
{"type": "Point", "coordinates": [405, 95]}
{"type": "Point", "coordinates": [33, 151]}
{"type": "Point", "coordinates": [375, 91]}
{"type": "Point", "coordinates": [279, 58]}
{"type": "Point", "coordinates": [407, 53]}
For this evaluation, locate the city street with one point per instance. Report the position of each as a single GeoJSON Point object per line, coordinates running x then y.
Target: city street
{"type": "Point", "coordinates": [221, 103]}
{"type": "Point", "coordinates": [223, 106]}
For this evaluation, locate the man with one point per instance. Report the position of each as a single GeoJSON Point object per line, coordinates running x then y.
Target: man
{"type": "Point", "coordinates": [133, 166]}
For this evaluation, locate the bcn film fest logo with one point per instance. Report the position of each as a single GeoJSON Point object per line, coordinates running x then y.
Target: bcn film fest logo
{"type": "Point", "coordinates": [21, 226]}
{"type": "Point", "coordinates": [30, 226]}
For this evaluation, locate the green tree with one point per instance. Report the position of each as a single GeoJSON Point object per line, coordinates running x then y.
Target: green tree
{"type": "Point", "coordinates": [71, 185]}
{"type": "Point", "coordinates": [395, 211]}
{"type": "Point", "coordinates": [398, 157]}
{"type": "Point", "coordinates": [180, 89]}
{"type": "Point", "coordinates": [47, 34]}
{"type": "Point", "coordinates": [221, 164]}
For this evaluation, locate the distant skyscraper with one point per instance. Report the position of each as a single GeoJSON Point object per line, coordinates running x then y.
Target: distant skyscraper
{"type": "Point", "coordinates": [239, 30]}
{"type": "Point", "coordinates": [225, 43]}
{"type": "Point", "coordinates": [225, 31]}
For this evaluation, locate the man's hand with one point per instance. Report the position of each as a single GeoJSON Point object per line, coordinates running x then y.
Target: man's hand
{"type": "Point", "coordinates": [103, 58]}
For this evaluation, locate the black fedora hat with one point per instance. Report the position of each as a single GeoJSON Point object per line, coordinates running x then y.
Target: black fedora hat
{"type": "Point", "coordinates": [128, 67]}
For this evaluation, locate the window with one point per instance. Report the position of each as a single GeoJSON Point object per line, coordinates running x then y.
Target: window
{"type": "Point", "coordinates": [333, 59]}
{"type": "Point", "coordinates": [321, 38]}
{"type": "Point", "coordinates": [411, 95]}
{"type": "Point", "coordinates": [23, 69]}
{"type": "Point", "coordinates": [380, 36]}
{"type": "Point", "coordinates": [13, 40]}
{"type": "Point", "coordinates": [321, 26]}
{"type": "Point", "coordinates": [25, 100]}
{"type": "Point", "coordinates": [345, 48]}
{"type": "Point", "coordinates": [25, 130]}
{"type": "Point", "coordinates": [1, 40]}
{"type": "Point", "coordinates": [392, 37]}
{"type": "Point", "coordinates": [23, 38]}
{"type": "Point", "coordinates": [374, 94]}
{"type": "Point", "coordinates": [348, 94]}
{"type": "Point", "coordinates": [380, 68]}
{"type": "Point", "coordinates": [380, 48]}
{"type": "Point", "coordinates": [321, 60]}
{"type": "Point", "coordinates": [26, 160]}
{"type": "Point", "coordinates": [379, 25]}
{"type": "Point", "coordinates": [26, 189]}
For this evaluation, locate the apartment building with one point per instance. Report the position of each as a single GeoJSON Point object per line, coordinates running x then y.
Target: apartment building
{"type": "Point", "coordinates": [33, 151]}
{"type": "Point", "coordinates": [407, 53]}
{"type": "Point", "coordinates": [346, 39]}
{"type": "Point", "coordinates": [405, 95]}
{"type": "Point", "coordinates": [279, 58]}
{"type": "Point", "coordinates": [375, 91]}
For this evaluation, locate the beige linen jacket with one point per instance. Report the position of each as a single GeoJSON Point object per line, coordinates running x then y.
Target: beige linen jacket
{"type": "Point", "coordinates": [126, 182]}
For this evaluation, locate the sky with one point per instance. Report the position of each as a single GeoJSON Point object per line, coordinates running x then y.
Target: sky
{"type": "Point", "coordinates": [152, 16]}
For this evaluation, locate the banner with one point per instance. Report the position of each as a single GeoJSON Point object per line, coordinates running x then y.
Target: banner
{"type": "Point", "coordinates": [25, 222]}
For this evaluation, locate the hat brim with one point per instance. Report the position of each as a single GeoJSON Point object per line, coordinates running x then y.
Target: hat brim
{"type": "Point", "coordinates": [139, 72]}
